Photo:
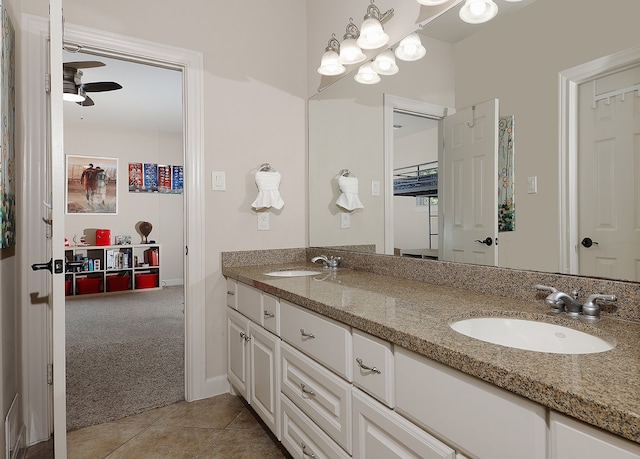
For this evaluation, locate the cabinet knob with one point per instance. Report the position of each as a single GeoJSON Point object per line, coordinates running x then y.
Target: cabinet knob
{"type": "Point", "coordinates": [244, 336]}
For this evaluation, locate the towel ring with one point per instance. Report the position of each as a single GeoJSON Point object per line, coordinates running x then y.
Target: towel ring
{"type": "Point", "coordinates": [346, 173]}
{"type": "Point", "coordinates": [266, 167]}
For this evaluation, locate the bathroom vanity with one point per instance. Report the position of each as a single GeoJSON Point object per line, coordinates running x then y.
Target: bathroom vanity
{"type": "Point", "coordinates": [348, 363]}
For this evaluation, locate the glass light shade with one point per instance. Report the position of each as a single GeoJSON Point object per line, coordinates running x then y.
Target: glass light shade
{"type": "Point", "coordinates": [329, 64]}
{"type": "Point", "coordinates": [410, 48]}
{"type": "Point", "coordinates": [372, 35]}
{"type": "Point", "coordinates": [366, 75]}
{"type": "Point", "coordinates": [73, 96]}
{"type": "Point", "coordinates": [478, 11]}
{"type": "Point", "coordinates": [385, 63]}
{"type": "Point", "coordinates": [435, 2]}
{"type": "Point", "coordinates": [350, 52]}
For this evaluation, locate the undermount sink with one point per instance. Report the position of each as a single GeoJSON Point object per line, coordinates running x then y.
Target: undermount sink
{"type": "Point", "coordinates": [531, 335]}
{"type": "Point", "coordinates": [293, 273]}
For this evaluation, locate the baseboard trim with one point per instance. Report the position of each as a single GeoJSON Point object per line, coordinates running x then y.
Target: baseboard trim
{"type": "Point", "coordinates": [214, 386]}
{"type": "Point", "coordinates": [172, 282]}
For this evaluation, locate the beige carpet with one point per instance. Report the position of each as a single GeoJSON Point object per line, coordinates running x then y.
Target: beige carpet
{"type": "Point", "coordinates": [125, 354]}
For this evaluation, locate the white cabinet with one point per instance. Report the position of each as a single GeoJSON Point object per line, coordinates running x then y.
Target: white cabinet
{"type": "Point", "coordinates": [381, 433]}
{"type": "Point", "coordinates": [573, 439]}
{"type": "Point", "coordinates": [324, 339]}
{"type": "Point", "coordinates": [232, 294]}
{"type": "Point", "coordinates": [253, 356]}
{"type": "Point", "coordinates": [238, 355]}
{"type": "Point", "coordinates": [373, 368]}
{"type": "Point", "coordinates": [319, 393]}
{"type": "Point", "coordinates": [111, 268]}
{"type": "Point", "coordinates": [475, 416]}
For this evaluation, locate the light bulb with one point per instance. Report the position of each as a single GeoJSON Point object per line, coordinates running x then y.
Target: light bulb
{"type": "Point", "coordinates": [350, 52]}
{"type": "Point", "coordinates": [410, 48]}
{"type": "Point", "coordinates": [329, 65]}
{"type": "Point", "coordinates": [478, 7]}
{"type": "Point", "coordinates": [366, 75]}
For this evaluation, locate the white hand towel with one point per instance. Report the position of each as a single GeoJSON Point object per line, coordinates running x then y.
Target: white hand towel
{"type": "Point", "coordinates": [268, 194]}
{"type": "Point", "coordinates": [349, 198]}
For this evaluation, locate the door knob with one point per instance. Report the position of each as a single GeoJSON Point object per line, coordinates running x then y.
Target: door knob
{"type": "Point", "coordinates": [588, 242]}
{"type": "Point", "coordinates": [487, 241]}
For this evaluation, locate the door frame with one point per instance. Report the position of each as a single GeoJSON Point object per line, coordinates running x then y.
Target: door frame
{"type": "Point", "coordinates": [35, 321]}
{"type": "Point", "coordinates": [568, 82]}
{"type": "Point", "coordinates": [420, 108]}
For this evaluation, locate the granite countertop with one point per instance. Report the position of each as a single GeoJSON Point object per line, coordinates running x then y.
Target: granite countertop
{"type": "Point", "coordinates": [602, 389]}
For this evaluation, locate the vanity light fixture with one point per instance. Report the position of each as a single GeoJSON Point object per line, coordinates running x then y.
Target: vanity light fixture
{"type": "Point", "coordinates": [366, 75]}
{"type": "Point", "coordinates": [372, 35]}
{"type": "Point", "coordinates": [435, 2]}
{"type": "Point", "coordinates": [385, 63]}
{"type": "Point", "coordinates": [478, 11]}
{"type": "Point", "coordinates": [350, 52]}
{"type": "Point", "coordinates": [410, 48]}
{"type": "Point", "coordinates": [330, 64]}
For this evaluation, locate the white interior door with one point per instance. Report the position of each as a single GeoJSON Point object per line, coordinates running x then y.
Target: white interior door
{"type": "Point", "coordinates": [56, 179]}
{"type": "Point", "coordinates": [468, 184]}
{"type": "Point", "coordinates": [608, 171]}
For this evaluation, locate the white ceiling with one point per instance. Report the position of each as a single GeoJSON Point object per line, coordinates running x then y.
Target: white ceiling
{"type": "Point", "coordinates": [150, 98]}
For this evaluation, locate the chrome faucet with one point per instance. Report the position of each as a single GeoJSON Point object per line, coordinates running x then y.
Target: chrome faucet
{"type": "Point", "coordinates": [562, 302]}
{"type": "Point", "coordinates": [328, 262]}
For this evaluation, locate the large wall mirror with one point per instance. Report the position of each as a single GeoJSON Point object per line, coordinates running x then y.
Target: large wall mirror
{"type": "Point", "coordinates": [520, 58]}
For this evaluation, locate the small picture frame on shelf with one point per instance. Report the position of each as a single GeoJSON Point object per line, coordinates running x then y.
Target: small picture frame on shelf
{"type": "Point", "coordinates": [123, 240]}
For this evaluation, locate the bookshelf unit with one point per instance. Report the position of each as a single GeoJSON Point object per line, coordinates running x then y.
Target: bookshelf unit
{"type": "Point", "coordinates": [112, 268]}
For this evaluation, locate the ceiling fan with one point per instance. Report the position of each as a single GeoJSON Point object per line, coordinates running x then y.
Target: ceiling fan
{"type": "Point", "coordinates": [75, 90]}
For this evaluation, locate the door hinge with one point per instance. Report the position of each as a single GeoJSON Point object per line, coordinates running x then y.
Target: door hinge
{"type": "Point", "coordinates": [47, 82]}
{"type": "Point", "coordinates": [49, 373]}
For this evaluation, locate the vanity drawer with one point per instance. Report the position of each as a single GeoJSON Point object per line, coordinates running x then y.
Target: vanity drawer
{"type": "Point", "coordinates": [376, 355]}
{"type": "Point", "coordinates": [250, 302]}
{"type": "Point", "coordinates": [323, 396]}
{"type": "Point", "coordinates": [326, 340]}
{"type": "Point", "coordinates": [303, 438]}
{"type": "Point", "coordinates": [271, 313]}
{"type": "Point", "coordinates": [232, 293]}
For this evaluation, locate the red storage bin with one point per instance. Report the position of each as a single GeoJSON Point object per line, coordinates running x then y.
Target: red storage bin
{"type": "Point", "coordinates": [117, 283]}
{"type": "Point", "coordinates": [146, 280]}
{"type": "Point", "coordinates": [67, 287]}
{"type": "Point", "coordinates": [85, 285]}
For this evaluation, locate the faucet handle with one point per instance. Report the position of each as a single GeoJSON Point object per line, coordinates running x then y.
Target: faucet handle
{"type": "Point", "coordinates": [546, 288]}
{"type": "Point", "coordinates": [591, 309]}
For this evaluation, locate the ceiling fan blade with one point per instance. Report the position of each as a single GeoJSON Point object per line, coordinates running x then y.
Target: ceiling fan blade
{"type": "Point", "coordinates": [101, 86]}
{"type": "Point", "coordinates": [87, 102]}
{"type": "Point", "coordinates": [83, 64]}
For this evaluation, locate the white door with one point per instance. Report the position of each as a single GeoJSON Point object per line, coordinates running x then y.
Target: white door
{"type": "Point", "coordinates": [468, 184]}
{"type": "Point", "coordinates": [57, 172]}
{"type": "Point", "coordinates": [608, 171]}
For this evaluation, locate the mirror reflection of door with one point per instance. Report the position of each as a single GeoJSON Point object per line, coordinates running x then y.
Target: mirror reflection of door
{"type": "Point", "coordinates": [468, 180]}
{"type": "Point", "coordinates": [415, 209]}
{"type": "Point", "coordinates": [608, 170]}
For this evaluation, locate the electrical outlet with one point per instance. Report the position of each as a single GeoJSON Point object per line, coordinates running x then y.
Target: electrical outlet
{"type": "Point", "coordinates": [345, 220]}
{"type": "Point", "coordinates": [263, 221]}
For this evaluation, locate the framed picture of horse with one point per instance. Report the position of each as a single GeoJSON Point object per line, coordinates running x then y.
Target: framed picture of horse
{"type": "Point", "coordinates": [92, 185]}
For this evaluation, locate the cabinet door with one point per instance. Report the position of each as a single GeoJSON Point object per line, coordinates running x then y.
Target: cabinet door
{"type": "Point", "coordinates": [232, 294]}
{"type": "Point", "coordinates": [478, 417]}
{"type": "Point", "coordinates": [238, 370]}
{"type": "Point", "coordinates": [571, 439]}
{"type": "Point", "coordinates": [373, 366]}
{"type": "Point", "coordinates": [265, 370]}
{"type": "Point", "coordinates": [380, 433]}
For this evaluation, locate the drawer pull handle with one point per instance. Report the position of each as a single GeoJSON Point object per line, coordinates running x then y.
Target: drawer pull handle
{"type": "Point", "coordinates": [231, 293]}
{"type": "Point", "coordinates": [306, 335]}
{"type": "Point", "coordinates": [307, 391]}
{"type": "Point", "coordinates": [364, 367]}
{"type": "Point", "coordinates": [269, 314]}
{"type": "Point", "coordinates": [244, 336]}
{"type": "Point", "coordinates": [304, 451]}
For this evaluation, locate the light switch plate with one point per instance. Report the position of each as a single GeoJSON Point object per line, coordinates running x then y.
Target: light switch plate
{"type": "Point", "coordinates": [375, 188]}
{"type": "Point", "coordinates": [532, 185]}
{"type": "Point", "coordinates": [218, 181]}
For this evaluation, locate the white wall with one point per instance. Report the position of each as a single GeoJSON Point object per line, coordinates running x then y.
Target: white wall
{"type": "Point", "coordinates": [163, 211]}
{"type": "Point", "coordinates": [534, 46]}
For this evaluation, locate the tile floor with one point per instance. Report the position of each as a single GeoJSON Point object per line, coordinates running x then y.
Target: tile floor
{"type": "Point", "coordinates": [218, 427]}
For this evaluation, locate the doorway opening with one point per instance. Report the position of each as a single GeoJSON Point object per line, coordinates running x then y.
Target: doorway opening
{"type": "Point", "coordinates": [125, 350]}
